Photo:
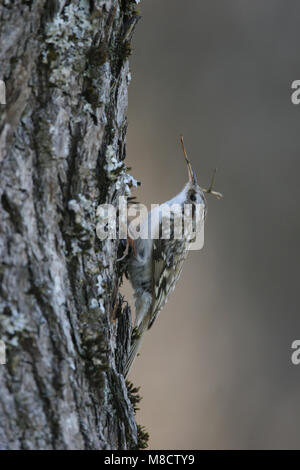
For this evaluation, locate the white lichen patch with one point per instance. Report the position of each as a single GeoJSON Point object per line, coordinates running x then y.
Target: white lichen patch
{"type": "Point", "coordinates": [93, 304]}
{"type": "Point", "coordinates": [11, 324]}
{"type": "Point", "coordinates": [96, 362]}
{"type": "Point", "coordinates": [85, 211]}
{"type": "Point", "coordinates": [67, 37]}
{"type": "Point", "coordinates": [85, 217]}
{"type": "Point", "coordinates": [116, 171]}
{"type": "Point", "coordinates": [112, 165]}
{"type": "Point", "coordinates": [76, 250]}
{"type": "Point", "coordinates": [73, 206]}
{"type": "Point", "coordinates": [87, 204]}
{"type": "Point", "coordinates": [100, 292]}
{"type": "Point", "coordinates": [99, 286]}
{"type": "Point", "coordinates": [126, 182]}
{"type": "Point", "coordinates": [101, 306]}
{"type": "Point", "coordinates": [87, 108]}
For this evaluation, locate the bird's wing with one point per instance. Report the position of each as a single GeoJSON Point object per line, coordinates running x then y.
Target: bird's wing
{"type": "Point", "coordinates": [167, 261]}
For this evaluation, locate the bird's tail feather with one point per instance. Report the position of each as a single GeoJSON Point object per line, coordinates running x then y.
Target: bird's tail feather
{"type": "Point", "coordinates": [132, 355]}
{"type": "Point", "coordinates": [134, 347]}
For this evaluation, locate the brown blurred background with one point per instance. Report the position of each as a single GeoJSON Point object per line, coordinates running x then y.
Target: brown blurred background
{"type": "Point", "coordinates": [215, 369]}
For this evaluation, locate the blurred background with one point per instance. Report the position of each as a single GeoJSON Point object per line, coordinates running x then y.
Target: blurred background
{"type": "Point", "coordinates": [215, 370]}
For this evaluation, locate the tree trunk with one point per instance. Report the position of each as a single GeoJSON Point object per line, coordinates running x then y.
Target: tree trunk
{"type": "Point", "coordinates": [62, 135]}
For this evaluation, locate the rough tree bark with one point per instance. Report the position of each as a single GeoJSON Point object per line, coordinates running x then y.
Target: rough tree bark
{"type": "Point", "coordinates": [62, 144]}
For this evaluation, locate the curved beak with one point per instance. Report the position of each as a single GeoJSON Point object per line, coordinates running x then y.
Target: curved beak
{"type": "Point", "coordinates": [191, 173]}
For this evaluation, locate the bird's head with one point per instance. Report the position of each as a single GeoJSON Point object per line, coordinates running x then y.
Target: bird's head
{"type": "Point", "coordinates": [194, 194]}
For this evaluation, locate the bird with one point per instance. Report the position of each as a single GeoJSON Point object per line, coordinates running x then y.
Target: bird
{"type": "Point", "coordinates": [155, 262]}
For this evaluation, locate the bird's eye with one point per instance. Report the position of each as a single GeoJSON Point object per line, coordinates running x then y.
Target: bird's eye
{"type": "Point", "coordinates": [193, 197]}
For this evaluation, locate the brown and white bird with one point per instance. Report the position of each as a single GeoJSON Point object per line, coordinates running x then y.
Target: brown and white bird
{"type": "Point", "coordinates": [156, 263]}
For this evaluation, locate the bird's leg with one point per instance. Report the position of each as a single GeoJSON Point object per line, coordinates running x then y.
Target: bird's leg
{"type": "Point", "coordinates": [210, 189]}
{"type": "Point", "coordinates": [129, 243]}
{"type": "Point", "coordinates": [135, 335]}
{"type": "Point", "coordinates": [125, 252]}
{"type": "Point", "coordinates": [132, 244]}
